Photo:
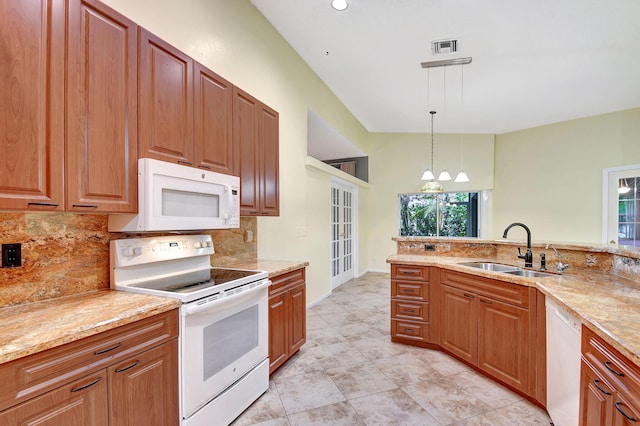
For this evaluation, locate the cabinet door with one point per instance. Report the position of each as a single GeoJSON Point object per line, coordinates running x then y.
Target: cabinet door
{"type": "Point", "coordinates": [80, 403]}
{"type": "Point", "coordinates": [245, 129]}
{"type": "Point", "coordinates": [278, 330]}
{"type": "Point", "coordinates": [213, 142]}
{"type": "Point", "coordinates": [504, 343]}
{"type": "Point", "coordinates": [32, 61]}
{"type": "Point", "coordinates": [596, 398]}
{"type": "Point", "coordinates": [143, 390]}
{"type": "Point", "coordinates": [101, 122]}
{"type": "Point", "coordinates": [624, 413]}
{"type": "Point", "coordinates": [297, 317]}
{"type": "Point", "coordinates": [268, 138]}
{"type": "Point", "coordinates": [459, 333]}
{"type": "Point", "coordinates": [165, 101]}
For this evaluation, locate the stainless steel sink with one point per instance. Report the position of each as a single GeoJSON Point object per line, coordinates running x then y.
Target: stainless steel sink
{"type": "Point", "coordinates": [490, 266]}
{"type": "Point", "coordinates": [528, 273]}
{"type": "Point", "coordinates": [506, 269]}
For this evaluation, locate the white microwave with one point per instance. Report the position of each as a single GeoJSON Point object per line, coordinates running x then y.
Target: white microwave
{"type": "Point", "coordinates": [172, 197]}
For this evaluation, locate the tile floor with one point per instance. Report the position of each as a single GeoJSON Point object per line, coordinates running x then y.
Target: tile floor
{"type": "Point", "coordinates": [350, 373]}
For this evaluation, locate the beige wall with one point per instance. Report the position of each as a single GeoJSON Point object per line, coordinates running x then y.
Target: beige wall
{"type": "Point", "coordinates": [550, 177]}
{"type": "Point", "coordinates": [396, 163]}
{"type": "Point", "coordinates": [233, 39]}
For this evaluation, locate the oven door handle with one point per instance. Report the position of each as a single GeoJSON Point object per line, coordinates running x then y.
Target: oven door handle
{"type": "Point", "coordinates": [195, 308]}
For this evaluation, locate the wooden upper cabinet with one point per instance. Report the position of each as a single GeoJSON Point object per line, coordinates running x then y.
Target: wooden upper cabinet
{"type": "Point", "coordinates": [165, 101]}
{"type": "Point", "coordinates": [101, 122]}
{"type": "Point", "coordinates": [256, 134]}
{"type": "Point", "coordinates": [32, 61]}
{"type": "Point", "coordinates": [269, 169]}
{"type": "Point", "coordinates": [213, 105]}
{"type": "Point", "coordinates": [245, 125]}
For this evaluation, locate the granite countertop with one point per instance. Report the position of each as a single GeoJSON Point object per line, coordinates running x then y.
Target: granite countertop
{"type": "Point", "coordinates": [607, 304]}
{"type": "Point", "coordinates": [33, 327]}
{"type": "Point", "coordinates": [273, 267]}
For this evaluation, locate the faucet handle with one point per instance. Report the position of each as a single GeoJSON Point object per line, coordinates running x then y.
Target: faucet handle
{"type": "Point", "coordinates": [562, 266]}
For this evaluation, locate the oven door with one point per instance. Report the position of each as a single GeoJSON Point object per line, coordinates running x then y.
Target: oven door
{"type": "Point", "coordinates": [221, 341]}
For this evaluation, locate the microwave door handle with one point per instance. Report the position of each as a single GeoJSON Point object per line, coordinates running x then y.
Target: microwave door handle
{"type": "Point", "coordinates": [227, 188]}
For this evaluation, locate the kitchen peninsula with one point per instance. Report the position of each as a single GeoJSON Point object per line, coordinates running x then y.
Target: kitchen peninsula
{"type": "Point", "coordinates": [600, 288]}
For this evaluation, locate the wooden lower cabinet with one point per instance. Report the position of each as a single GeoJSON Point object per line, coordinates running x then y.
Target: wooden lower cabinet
{"type": "Point", "coordinates": [287, 317]}
{"type": "Point", "coordinates": [412, 310]}
{"type": "Point", "coordinates": [609, 385]}
{"type": "Point", "coordinates": [143, 389]}
{"type": "Point", "coordinates": [459, 334]}
{"type": "Point", "coordinates": [82, 402]}
{"type": "Point", "coordinates": [491, 325]}
{"type": "Point", "coordinates": [125, 376]}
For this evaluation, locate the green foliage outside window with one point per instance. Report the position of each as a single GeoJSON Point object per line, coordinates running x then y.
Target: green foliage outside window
{"type": "Point", "coordinates": [453, 214]}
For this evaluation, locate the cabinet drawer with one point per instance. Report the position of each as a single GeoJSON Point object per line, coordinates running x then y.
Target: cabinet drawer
{"type": "Point", "coordinates": [410, 272]}
{"type": "Point", "coordinates": [28, 377]}
{"type": "Point", "coordinates": [410, 330]}
{"type": "Point", "coordinates": [410, 290]}
{"type": "Point", "coordinates": [507, 292]}
{"type": "Point", "coordinates": [289, 278]}
{"type": "Point", "coordinates": [404, 309]}
{"type": "Point", "coordinates": [612, 365]}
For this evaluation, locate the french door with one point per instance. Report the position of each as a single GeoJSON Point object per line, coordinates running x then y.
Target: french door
{"type": "Point", "coordinates": [621, 205]}
{"type": "Point", "coordinates": [343, 227]}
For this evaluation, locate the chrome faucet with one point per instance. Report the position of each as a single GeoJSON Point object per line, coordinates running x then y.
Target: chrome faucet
{"type": "Point", "coordinates": [559, 266]}
{"type": "Point", "coordinates": [528, 256]}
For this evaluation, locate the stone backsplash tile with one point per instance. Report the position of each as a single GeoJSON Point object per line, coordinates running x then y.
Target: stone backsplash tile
{"type": "Point", "coordinates": [67, 253]}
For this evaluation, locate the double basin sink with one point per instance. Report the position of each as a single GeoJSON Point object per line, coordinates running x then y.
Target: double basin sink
{"type": "Point", "coordinates": [506, 269]}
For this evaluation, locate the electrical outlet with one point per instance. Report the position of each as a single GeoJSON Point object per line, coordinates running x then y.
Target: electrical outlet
{"type": "Point", "coordinates": [429, 247]}
{"type": "Point", "coordinates": [11, 255]}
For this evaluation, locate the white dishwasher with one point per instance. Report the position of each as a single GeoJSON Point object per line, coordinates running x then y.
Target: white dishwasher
{"type": "Point", "coordinates": [563, 365]}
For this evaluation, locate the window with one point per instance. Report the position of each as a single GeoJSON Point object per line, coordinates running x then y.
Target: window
{"type": "Point", "coordinates": [449, 214]}
{"type": "Point", "coordinates": [628, 211]}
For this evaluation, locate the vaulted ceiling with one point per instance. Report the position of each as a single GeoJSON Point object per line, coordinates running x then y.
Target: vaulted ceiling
{"type": "Point", "coordinates": [534, 62]}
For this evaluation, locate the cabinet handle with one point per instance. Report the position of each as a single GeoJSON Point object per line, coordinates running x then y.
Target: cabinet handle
{"type": "Point", "coordinates": [104, 351]}
{"type": "Point", "coordinates": [34, 203]}
{"type": "Point", "coordinates": [409, 330]}
{"type": "Point", "coordinates": [595, 383]}
{"type": "Point", "coordinates": [186, 163]}
{"type": "Point", "coordinates": [129, 367]}
{"type": "Point", "coordinates": [409, 290]}
{"type": "Point", "coordinates": [202, 166]}
{"type": "Point", "coordinates": [486, 302]}
{"type": "Point", "coordinates": [469, 296]}
{"type": "Point", "coordinates": [254, 212]}
{"type": "Point", "coordinates": [265, 213]}
{"type": "Point", "coordinates": [87, 206]}
{"type": "Point", "coordinates": [409, 272]}
{"type": "Point", "coordinates": [88, 385]}
{"type": "Point", "coordinates": [630, 418]}
{"type": "Point", "coordinates": [410, 310]}
{"type": "Point", "coordinates": [614, 371]}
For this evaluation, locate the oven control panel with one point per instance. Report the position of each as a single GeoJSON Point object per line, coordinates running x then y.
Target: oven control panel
{"type": "Point", "coordinates": [139, 251]}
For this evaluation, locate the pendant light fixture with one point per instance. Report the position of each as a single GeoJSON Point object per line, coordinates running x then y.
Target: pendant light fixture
{"type": "Point", "coordinates": [462, 176]}
{"type": "Point", "coordinates": [431, 185]}
{"type": "Point", "coordinates": [444, 175]}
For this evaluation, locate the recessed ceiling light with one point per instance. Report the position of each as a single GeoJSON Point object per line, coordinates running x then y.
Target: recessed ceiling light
{"type": "Point", "coordinates": [339, 4]}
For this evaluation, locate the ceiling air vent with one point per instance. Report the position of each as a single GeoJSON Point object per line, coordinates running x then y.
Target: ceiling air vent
{"type": "Point", "coordinates": [442, 47]}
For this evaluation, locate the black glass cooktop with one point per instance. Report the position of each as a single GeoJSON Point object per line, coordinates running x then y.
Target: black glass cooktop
{"type": "Point", "coordinates": [195, 281]}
